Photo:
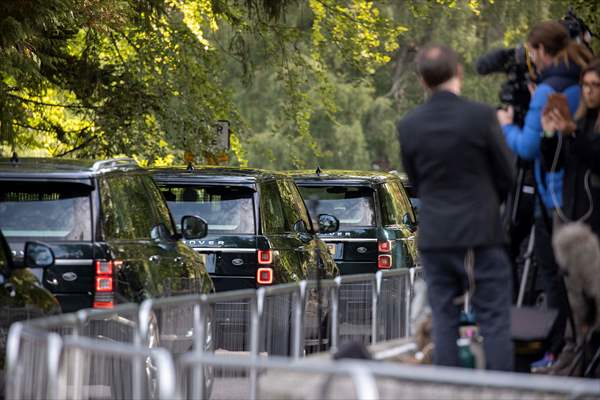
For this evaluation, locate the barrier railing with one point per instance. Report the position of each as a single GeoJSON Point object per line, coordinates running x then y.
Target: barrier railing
{"type": "Point", "coordinates": [278, 377]}
{"type": "Point", "coordinates": [277, 320]}
{"type": "Point", "coordinates": [45, 365]}
{"type": "Point", "coordinates": [283, 319]}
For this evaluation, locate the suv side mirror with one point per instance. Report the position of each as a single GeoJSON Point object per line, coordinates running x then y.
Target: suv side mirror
{"type": "Point", "coordinates": [328, 223]}
{"type": "Point", "coordinates": [300, 227]}
{"type": "Point", "coordinates": [193, 227]}
{"type": "Point", "coordinates": [38, 255]}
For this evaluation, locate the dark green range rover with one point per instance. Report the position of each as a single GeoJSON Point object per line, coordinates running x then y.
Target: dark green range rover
{"type": "Point", "coordinates": [377, 224]}
{"type": "Point", "coordinates": [259, 231]}
{"type": "Point", "coordinates": [108, 226]}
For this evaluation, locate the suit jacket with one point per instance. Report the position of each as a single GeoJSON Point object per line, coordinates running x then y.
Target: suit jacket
{"type": "Point", "coordinates": [455, 154]}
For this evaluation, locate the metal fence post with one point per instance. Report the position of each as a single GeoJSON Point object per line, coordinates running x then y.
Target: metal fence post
{"type": "Point", "coordinates": [198, 384]}
{"type": "Point", "coordinates": [256, 317]}
{"type": "Point", "coordinates": [82, 316]}
{"type": "Point", "coordinates": [364, 383]}
{"type": "Point", "coordinates": [166, 374]}
{"type": "Point", "coordinates": [408, 295]}
{"type": "Point", "coordinates": [13, 371]}
{"type": "Point", "coordinates": [140, 338]}
{"type": "Point", "coordinates": [298, 327]}
{"type": "Point", "coordinates": [375, 299]}
{"type": "Point", "coordinates": [54, 344]}
{"type": "Point", "coordinates": [335, 319]}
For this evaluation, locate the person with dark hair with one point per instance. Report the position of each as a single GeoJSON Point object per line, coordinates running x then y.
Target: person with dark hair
{"type": "Point", "coordinates": [576, 237]}
{"type": "Point", "coordinates": [579, 152]}
{"type": "Point", "coordinates": [454, 153]}
{"type": "Point", "coordinates": [558, 61]}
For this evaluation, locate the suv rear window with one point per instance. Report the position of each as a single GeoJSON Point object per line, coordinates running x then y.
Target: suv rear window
{"type": "Point", "coordinates": [226, 209]}
{"type": "Point", "coordinates": [49, 210]}
{"type": "Point", "coordinates": [352, 205]}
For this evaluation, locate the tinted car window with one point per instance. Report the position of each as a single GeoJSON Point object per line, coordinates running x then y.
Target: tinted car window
{"type": "Point", "coordinates": [160, 208]}
{"type": "Point", "coordinates": [128, 213]}
{"type": "Point", "coordinates": [272, 217]}
{"type": "Point", "coordinates": [54, 210]}
{"type": "Point", "coordinates": [394, 205]}
{"type": "Point", "coordinates": [293, 205]}
{"type": "Point", "coordinates": [353, 206]}
{"type": "Point", "coordinates": [226, 209]}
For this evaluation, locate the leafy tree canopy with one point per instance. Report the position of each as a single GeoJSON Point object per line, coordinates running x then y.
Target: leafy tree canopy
{"type": "Point", "coordinates": [303, 82]}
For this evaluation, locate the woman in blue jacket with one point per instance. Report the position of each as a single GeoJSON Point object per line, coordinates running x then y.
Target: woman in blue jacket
{"type": "Point", "coordinates": [558, 61]}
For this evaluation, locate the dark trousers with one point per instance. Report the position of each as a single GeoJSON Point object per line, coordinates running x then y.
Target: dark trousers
{"type": "Point", "coordinates": [446, 279]}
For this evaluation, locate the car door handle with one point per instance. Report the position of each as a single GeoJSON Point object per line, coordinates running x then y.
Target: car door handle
{"type": "Point", "coordinates": [154, 258]}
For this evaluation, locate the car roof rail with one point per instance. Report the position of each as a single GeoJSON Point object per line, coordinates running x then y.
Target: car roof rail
{"type": "Point", "coordinates": [115, 163]}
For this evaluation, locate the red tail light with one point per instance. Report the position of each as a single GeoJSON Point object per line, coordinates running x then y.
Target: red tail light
{"type": "Point", "coordinates": [265, 257]}
{"type": "Point", "coordinates": [385, 246]}
{"type": "Point", "coordinates": [104, 267]}
{"type": "Point", "coordinates": [104, 297]}
{"type": "Point", "coordinates": [384, 261]}
{"type": "Point", "coordinates": [264, 276]}
{"type": "Point", "coordinates": [104, 284]}
{"type": "Point", "coordinates": [103, 304]}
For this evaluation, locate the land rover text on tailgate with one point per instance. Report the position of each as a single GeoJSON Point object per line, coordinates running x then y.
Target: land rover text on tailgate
{"type": "Point", "coordinates": [377, 223]}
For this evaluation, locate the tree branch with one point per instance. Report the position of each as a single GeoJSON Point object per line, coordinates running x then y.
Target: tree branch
{"type": "Point", "coordinates": [78, 147]}
{"type": "Point", "coordinates": [42, 103]}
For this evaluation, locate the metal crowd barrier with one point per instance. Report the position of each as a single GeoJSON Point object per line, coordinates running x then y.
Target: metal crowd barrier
{"type": "Point", "coordinates": [283, 319]}
{"type": "Point", "coordinates": [278, 377]}
{"type": "Point", "coordinates": [45, 365]}
{"type": "Point", "coordinates": [119, 324]}
{"type": "Point", "coordinates": [277, 320]}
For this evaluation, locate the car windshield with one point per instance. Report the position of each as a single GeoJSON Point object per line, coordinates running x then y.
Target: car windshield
{"type": "Point", "coordinates": [352, 206]}
{"type": "Point", "coordinates": [226, 209]}
{"type": "Point", "coordinates": [49, 210]}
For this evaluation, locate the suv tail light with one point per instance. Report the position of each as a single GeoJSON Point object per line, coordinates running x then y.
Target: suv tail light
{"type": "Point", "coordinates": [264, 276]}
{"type": "Point", "coordinates": [385, 246]}
{"type": "Point", "coordinates": [384, 261]}
{"type": "Point", "coordinates": [104, 296]}
{"type": "Point", "coordinates": [265, 257]}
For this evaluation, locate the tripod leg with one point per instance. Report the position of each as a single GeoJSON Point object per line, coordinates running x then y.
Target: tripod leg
{"type": "Point", "coordinates": [525, 274]}
{"type": "Point", "coordinates": [593, 364]}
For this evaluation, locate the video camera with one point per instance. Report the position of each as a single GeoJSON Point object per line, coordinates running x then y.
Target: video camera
{"type": "Point", "coordinates": [516, 64]}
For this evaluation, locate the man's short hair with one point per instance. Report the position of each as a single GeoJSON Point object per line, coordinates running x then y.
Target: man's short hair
{"type": "Point", "coordinates": [437, 64]}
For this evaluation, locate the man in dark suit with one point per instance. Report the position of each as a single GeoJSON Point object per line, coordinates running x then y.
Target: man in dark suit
{"type": "Point", "coordinates": [454, 153]}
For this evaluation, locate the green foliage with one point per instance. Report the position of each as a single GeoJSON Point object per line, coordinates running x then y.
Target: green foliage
{"type": "Point", "coordinates": [304, 83]}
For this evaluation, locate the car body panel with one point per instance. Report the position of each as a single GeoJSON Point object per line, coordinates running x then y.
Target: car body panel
{"type": "Point", "coordinates": [22, 296]}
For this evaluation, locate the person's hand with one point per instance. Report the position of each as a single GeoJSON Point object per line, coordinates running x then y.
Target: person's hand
{"type": "Point", "coordinates": [505, 117]}
{"type": "Point", "coordinates": [566, 126]}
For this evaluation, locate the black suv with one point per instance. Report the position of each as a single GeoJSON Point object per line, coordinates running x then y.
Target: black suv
{"type": "Point", "coordinates": [108, 226]}
{"type": "Point", "coordinates": [259, 231]}
{"type": "Point", "coordinates": [377, 224]}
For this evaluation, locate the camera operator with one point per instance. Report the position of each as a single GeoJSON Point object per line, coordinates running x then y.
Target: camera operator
{"type": "Point", "coordinates": [580, 148]}
{"type": "Point", "coordinates": [558, 61]}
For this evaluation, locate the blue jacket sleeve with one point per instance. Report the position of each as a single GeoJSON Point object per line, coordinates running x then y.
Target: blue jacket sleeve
{"type": "Point", "coordinates": [526, 142]}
